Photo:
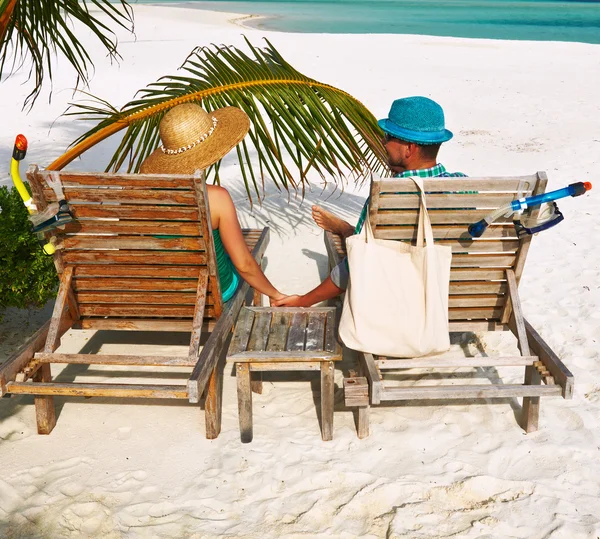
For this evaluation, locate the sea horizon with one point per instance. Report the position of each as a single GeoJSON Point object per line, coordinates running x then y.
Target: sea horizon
{"type": "Point", "coordinates": [531, 20]}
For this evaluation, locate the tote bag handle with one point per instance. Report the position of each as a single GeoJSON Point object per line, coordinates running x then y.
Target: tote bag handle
{"type": "Point", "coordinates": [424, 230]}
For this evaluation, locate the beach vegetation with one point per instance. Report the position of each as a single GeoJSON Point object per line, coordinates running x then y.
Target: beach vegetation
{"type": "Point", "coordinates": [298, 124]}
{"type": "Point", "coordinates": [27, 275]}
{"type": "Point", "coordinates": [33, 32]}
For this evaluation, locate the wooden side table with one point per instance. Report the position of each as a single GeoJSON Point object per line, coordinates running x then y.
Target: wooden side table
{"type": "Point", "coordinates": [285, 339]}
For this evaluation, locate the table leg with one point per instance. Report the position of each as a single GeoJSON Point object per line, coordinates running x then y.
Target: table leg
{"type": "Point", "coordinates": [327, 400]}
{"type": "Point", "coordinates": [242, 374]}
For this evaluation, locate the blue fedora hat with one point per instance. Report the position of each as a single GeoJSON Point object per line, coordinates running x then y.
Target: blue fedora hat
{"type": "Point", "coordinates": [416, 119]}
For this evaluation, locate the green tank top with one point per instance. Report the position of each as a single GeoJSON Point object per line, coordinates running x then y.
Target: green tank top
{"type": "Point", "coordinates": [228, 276]}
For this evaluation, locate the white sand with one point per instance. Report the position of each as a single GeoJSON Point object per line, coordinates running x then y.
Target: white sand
{"type": "Point", "coordinates": [145, 469]}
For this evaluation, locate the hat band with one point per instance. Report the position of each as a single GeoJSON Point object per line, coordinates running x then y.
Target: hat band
{"type": "Point", "coordinates": [193, 144]}
{"type": "Point", "coordinates": [410, 135]}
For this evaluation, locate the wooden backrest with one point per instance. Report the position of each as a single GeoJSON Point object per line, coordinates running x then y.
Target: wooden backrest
{"type": "Point", "coordinates": [478, 289]}
{"type": "Point", "coordinates": [139, 245]}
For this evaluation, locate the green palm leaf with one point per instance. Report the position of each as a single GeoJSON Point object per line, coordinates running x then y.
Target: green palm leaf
{"type": "Point", "coordinates": [294, 119]}
{"type": "Point", "coordinates": [37, 29]}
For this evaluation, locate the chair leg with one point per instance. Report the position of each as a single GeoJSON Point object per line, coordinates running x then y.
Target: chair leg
{"type": "Point", "coordinates": [244, 392]}
{"type": "Point", "coordinates": [213, 404]}
{"type": "Point", "coordinates": [327, 388]}
{"type": "Point", "coordinates": [531, 405]}
{"type": "Point", "coordinates": [363, 413]}
{"type": "Point", "coordinates": [363, 422]}
{"type": "Point", "coordinates": [45, 412]}
{"type": "Point", "coordinates": [256, 383]}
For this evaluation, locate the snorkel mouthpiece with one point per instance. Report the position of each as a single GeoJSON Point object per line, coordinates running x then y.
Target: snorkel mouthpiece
{"type": "Point", "coordinates": [477, 229]}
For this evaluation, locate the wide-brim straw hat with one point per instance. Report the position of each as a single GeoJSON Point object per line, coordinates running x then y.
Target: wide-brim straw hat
{"type": "Point", "coordinates": [193, 139]}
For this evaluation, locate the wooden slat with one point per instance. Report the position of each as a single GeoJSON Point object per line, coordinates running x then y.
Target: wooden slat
{"type": "Point", "coordinates": [260, 333]}
{"type": "Point", "coordinates": [87, 226]}
{"type": "Point", "coordinates": [133, 242]}
{"type": "Point", "coordinates": [456, 362]}
{"type": "Point", "coordinates": [124, 196]}
{"type": "Point", "coordinates": [135, 257]}
{"type": "Point", "coordinates": [99, 390]}
{"type": "Point", "coordinates": [154, 311]}
{"type": "Point", "coordinates": [280, 323]}
{"type": "Point", "coordinates": [147, 181]}
{"type": "Point", "coordinates": [478, 287]}
{"type": "Point", "coordinates": [461, 184]}
{"type": "Point", "coordinates": [158, 272]}
{"type": "Point", "coordinates": [241, 335]}
{"type": "Point", "coordinates": [266, 356]}
{"type": "Point", "coordinates": [331, 343]}
{"type": "Point", "coordinates": [297, 333]}
{"type": "Point", "coordinates": [110, 359]}
{"type": "Point", "coordinates": [286, 366]}
{"type": "Point", "coordinates": [467, 245]}
{"type": "Point", "coordinates": [154, 213]}
{"type": "Point", "coordinates": [468, 392]}
{"type": "Point", "coordinates": [458, 201]}
{"type": "Point", "coordinates": [476, 274]}
{"type": "Point", "coordinates": [169, 285]}
{"type": "Point", "coordinates": [437, 217]}
{"type": "Point", "coordinates": [482, 260]}
{"type": "Point", "coordinates": [315, 331]}
{"type": "Point", "coordinates": [476, 300]}
{"type": "Point", "coordinates": [137, 324]}
{"type": "Point", "coordinates": [145, 298]}
{"type": "Point", "coordinates": [474, 313]}
{"type": "Point", "coordinates": [409, 233]}
{"type": "Point", "coordinates": [475, 326]}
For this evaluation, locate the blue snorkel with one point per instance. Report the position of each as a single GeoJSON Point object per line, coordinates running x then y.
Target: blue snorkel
{"type": "Point", "coordinates": [574, 190]}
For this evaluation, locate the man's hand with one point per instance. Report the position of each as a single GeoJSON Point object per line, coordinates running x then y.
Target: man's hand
{"type": "Point", "coordinates": [290, 301]}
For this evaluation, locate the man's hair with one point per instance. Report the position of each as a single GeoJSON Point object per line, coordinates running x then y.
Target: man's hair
{"type": "Point", "coordinates": [429, 151]}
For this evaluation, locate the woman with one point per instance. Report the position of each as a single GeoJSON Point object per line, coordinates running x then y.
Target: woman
{"type": "Point", "coordinates": [193, 140]}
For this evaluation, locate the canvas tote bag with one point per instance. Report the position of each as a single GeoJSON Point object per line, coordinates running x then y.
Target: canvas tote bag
{"type": "Point", "coordinates": [396, 303]}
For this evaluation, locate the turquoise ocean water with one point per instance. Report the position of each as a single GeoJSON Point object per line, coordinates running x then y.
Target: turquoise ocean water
{"type": "Point", "coordinates": [538, 20]}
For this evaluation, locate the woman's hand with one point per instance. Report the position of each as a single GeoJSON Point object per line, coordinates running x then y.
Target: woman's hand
{"type": "Point", "coordinates": [290, 301]}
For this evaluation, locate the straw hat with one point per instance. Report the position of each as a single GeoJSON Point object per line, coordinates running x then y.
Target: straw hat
{"type": "Point", "coordinates": [416, 119]}
{"type": "Point", "coordinates": [193, 139]}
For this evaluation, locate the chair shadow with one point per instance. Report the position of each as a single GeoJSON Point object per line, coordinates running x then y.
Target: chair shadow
{"type": "Point", "coordinates": [464, 340]}
{"type": "Point", "coordinates": [321, 260]}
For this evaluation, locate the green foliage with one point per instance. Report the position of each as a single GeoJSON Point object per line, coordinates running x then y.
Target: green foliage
{"type": "Point", "coordinates": [34, 31]}
{"type": "Point", "coordinates": [27, 275]}
{"type": "Point", "coordinates": [294, 119]}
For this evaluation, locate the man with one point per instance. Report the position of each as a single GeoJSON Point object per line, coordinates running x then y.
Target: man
{"type": "Point", "coordinates": [414, 132]}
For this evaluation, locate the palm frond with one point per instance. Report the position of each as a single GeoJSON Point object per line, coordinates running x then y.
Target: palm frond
{"type": "Point", "coordinates": [294, 119]}
{"type": "Point", "coordinates": [36, 30]}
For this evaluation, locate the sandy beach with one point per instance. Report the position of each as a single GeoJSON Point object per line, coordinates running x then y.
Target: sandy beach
{"type": "Point", "coordinates": [137, 469]}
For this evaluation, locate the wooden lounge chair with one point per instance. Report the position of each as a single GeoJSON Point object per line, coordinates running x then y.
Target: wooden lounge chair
{"type": "Point", "coordinates": [140, 256]}
{"type": "Point", "coordinates": [483, 292]}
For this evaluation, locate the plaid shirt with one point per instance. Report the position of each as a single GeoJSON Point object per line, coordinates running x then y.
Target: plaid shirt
{"type": "Point", "coordinates": [437, 171]}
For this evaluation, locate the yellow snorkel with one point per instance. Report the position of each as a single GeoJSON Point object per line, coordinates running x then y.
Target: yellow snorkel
{"type": "Point", "coordinates": [19, 152]}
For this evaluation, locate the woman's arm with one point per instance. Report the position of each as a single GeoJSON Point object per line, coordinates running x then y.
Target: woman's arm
{"type": "Point", "coordinates": [325, 291]}
{"type": "Point", "coordinates": [224, 217]}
